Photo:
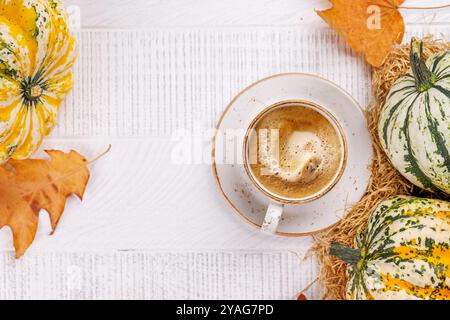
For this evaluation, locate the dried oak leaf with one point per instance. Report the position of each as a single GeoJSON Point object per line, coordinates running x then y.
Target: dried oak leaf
{"type": "Point", "coordinates": [27, 186]}
{"type": "Point", "coordinates": [369, 26]}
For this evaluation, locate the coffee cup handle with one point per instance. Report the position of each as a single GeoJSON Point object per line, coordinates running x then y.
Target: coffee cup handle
{"type": "Point", "coordinates": [273, 217]}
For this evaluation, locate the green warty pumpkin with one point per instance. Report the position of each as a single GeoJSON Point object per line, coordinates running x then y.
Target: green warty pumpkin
{"type": "Point", "coordinates": [402, 254]}
{"type": "Point", "coordinates": [414, 125]}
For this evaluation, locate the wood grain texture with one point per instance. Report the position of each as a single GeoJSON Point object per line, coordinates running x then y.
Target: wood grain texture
{"type": "Point", "coordinates": [145, 220]}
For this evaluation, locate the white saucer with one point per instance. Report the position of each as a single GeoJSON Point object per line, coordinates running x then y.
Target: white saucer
{"type": "Point", "coordinates": [237, 188]}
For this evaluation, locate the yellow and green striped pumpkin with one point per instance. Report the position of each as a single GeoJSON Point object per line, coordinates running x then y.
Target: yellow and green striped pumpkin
{"type": "Point", "coordinates": [404, 253]}
{"type": "Point", "coordinates": [414, 125]}
{"type": "Point", "coordinates": [37, 53]}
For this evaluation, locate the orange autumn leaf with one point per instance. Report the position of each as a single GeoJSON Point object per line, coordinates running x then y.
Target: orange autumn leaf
{"type": "Point", "coordinates": [369, 26]}
{"type": "Point", "coordinates": [301, 297]}
{"type": "Point", "coordinates": [27, 186]}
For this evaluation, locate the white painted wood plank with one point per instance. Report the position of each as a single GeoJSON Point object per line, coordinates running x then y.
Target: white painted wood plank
{"type": "Point", "coordinates": [206, 253]}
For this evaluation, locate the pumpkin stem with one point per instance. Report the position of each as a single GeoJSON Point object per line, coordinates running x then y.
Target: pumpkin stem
{"type": "Point", "coordinates": [425, 79]}
{"type": "Point", "coordinates": [349, 255]}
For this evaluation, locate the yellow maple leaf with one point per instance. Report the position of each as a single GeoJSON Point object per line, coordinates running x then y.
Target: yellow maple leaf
{"type": "Point", "coordinates": [369, 26]}
{"type": "Point", "coordinates": [27, 186]}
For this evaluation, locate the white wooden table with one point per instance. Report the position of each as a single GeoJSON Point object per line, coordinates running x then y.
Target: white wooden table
{"type": "Point", "coordinates": [150, 228]}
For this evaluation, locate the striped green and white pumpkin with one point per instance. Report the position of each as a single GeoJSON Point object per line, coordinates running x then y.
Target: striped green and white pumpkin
{"type": "Point", "coordinates": [404, 252]}
{"type": "Point", "coordinates": [414, 125]}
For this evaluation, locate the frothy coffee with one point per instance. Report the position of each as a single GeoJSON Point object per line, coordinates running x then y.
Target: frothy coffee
{"type": "Point", "coordinates": [299, 152]}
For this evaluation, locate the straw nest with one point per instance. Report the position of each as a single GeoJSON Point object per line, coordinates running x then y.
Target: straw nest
{"type": "Point", "coordinates": [385, 180]}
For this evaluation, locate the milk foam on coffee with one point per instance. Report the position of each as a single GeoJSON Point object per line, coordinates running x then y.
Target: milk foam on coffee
{"type": "Point", "coordinates": [299, 152]}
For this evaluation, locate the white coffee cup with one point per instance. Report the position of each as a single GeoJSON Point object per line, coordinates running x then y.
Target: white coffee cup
{"type": "Point", "coordinates": [277, 203]}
